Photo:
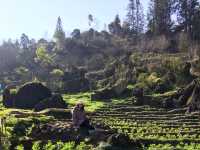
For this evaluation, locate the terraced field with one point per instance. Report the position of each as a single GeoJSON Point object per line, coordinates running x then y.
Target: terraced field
{"type": "Point", "coordinates": [150, 126]}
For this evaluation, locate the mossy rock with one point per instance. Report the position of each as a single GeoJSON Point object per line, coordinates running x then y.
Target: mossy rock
{"type": "Point", "coordinates": [27, 96]}
{"type": "Point", "coordinates": [56, 101]}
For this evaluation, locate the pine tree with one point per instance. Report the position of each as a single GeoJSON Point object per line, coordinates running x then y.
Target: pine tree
{"type": "Point", "coordinates": [24, 41]}
{"type": "Point", "coordinates": [159, 16]}
{"type": "Point", "coordinates": [59, 35]}
{"type": "Point", "coordinates": [115, 26]}
{"type": "Point", "coordinates": [188, 16]}
{"type": "Point", "coordinates": [135, 18]}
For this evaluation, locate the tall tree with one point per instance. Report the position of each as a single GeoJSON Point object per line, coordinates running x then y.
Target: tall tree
{"type": "Point", "coordinates": [115, 26]}
{"type": "Point", "coordinates": [59, 35]}
{"type": "Point", "coordinates": [188, 16]}
{"type": "Point", "coordinates": [24, 41]}
{"type": "Point", "coordinates": [159, 16]}
{"type": "Point", "coordinates": [135, 17]}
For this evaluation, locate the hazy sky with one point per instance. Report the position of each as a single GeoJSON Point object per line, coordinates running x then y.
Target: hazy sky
{"type": "Point", "coordinates": [37, 18]}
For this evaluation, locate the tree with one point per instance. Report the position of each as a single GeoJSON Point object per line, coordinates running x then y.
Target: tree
{"type": "Point", "coordinates": [76, 34]}
{"type": "Point", "coordinates": [188, 16]}
{"type": "Point", "coordinates": [59, 35]}
{"type": "Point", "coordinates": [90, 19]}
{"type": "Point", "coordinates": [43, 57]}
{"type": "Point", "coordinates": [135, 18]}
{"type": "Point", "coordinates": [196, 26]}
{"type": "Point", "coordinates": [115, 26]}
{"type": "Point", "coordinates": [24, 41]}
{"type": "Point", "coordinates": [159, 17]}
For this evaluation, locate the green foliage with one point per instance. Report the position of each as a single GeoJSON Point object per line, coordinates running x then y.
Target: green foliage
{"type": "Point", "coordinates": [21, 70]}
{"type": "Point", "coordinates": [90, 105]}
{"type": "Point", "coordinates": [160, 147]}
{"type": "Point", "coordinates": [36, 145]}
{"type": "Point", "coordinates": [43, 56]}
{"type": "Point", "coordinates": [49, 146]}
{"type": "Point", "coordinates": [20, 147]}
{"type": "Point", "coordinates": [13, 91]}
{"type": "Point", "coordinates": [57, 73]}
{"type": "Point", "coordinates": [61, 146]}
{"type": "Point", "coordinates": [68, 146]}
{"type": "Point", "coordinates": [83, 146]}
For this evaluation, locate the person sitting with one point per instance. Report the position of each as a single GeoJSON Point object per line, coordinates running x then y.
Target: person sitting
{"type": "Point", "coordinates": [79, 118]}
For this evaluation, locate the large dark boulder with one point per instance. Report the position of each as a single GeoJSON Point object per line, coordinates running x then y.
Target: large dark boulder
{"type": "Point", "coordinates": [56, 101]}
{"type": "Point", "coordinates": [31, 94]}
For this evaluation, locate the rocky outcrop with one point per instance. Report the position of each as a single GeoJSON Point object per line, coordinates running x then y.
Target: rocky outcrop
{"type": "Point", "coordinates": [27, 96]}
{"type": "Point", "coordinates": [31, 94]}
{"type": "Point", "coordinates": [56, 101]}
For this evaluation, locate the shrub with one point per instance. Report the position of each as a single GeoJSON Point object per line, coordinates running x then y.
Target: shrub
{"type": "Point", "coordinates": [20, 147]}
{"type": "Point", "coordinates": [68, 146]}
{"type": "Point", "coordinates": [49, 146]}
{"type": "Point", "coordinates": [21, 128]}
{"type": "Point", "coordinates": [36, 145]}
{"type": "Point", "coordinates": [83, 146]}
{"type": "Point", "coordinates": [57, 73]}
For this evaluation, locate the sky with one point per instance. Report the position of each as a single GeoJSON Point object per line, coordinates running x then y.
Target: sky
{"type": "Point", "coordinates": [37, 18]}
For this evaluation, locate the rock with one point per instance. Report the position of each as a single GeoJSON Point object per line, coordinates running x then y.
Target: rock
{"type": "Point", "coordinates": [186, 93]}
{"type": "Point", "coordinates": [168, 103]}
{"type": "Point", "coordinates": [120, 87]}
{"type": "Point", "coordinates": [56, 101]}
{"type": "Point", "coordinates": [31, 94]}
{"type": "Point", "coordinates": [194, 101]}
{"type": "Point", "coordinates": [7, 98]}
{"type": "Point", "coordinates": [138, 92]}
{"type": "Point", "coordinates": [118, 140]}
{"type": "Point", "coordinates": [104, 94]}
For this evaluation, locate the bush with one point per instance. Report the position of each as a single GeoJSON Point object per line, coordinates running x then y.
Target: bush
{"type": "Point", "coordinates": [57, 73]}
{"type": "Point", "coordinates": [21, 128]}
{"type": "Point", "coordinates": [20, 147]}
{"type": "Point", "coordinates": [36, 146]}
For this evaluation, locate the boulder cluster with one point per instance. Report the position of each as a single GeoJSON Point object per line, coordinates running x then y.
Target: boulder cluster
{"type": "Point", "coordinates": [32, 95]}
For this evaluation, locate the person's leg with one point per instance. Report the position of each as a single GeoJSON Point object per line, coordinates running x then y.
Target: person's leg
{"type": "Point", "coordinates": [86, 124]}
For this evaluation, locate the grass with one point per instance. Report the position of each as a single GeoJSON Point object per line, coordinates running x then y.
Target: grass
{"type": "Point", "coordinates": [90, 105]}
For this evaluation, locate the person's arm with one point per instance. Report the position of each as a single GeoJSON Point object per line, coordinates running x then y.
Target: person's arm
{"type": "Point", "coordinates": [74, 118]}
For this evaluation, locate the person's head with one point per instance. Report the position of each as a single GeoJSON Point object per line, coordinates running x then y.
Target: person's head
{"type": "Point", "coordinates": [80, 106]}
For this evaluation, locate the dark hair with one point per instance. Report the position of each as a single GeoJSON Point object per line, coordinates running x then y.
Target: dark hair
{"type": "Point", "coordinates": [82, 108]}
